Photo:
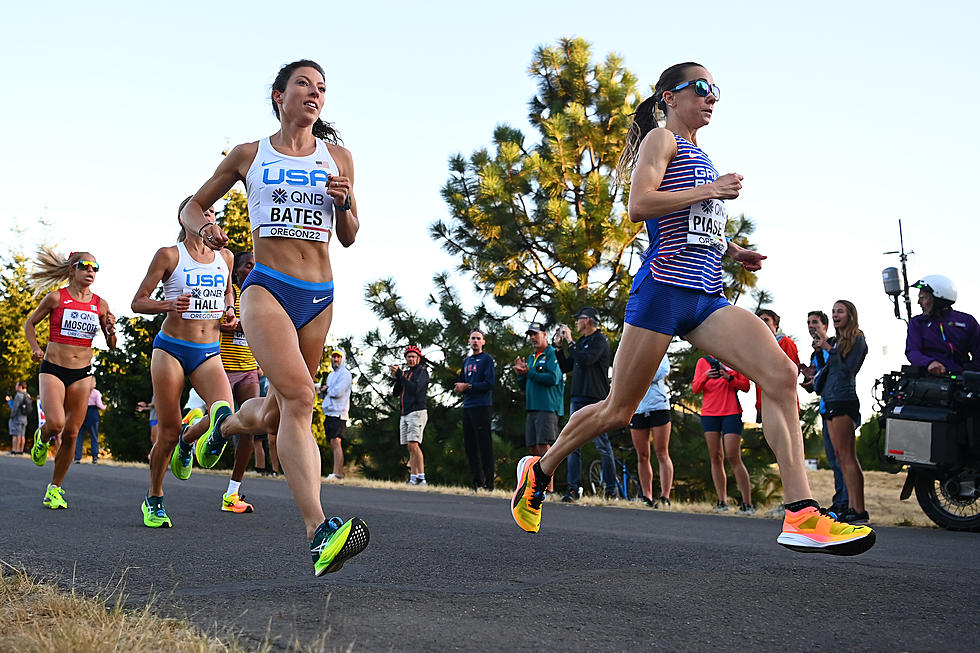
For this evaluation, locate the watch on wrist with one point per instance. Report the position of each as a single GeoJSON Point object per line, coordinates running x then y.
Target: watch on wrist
{"type": "Point", "coordinates": [346, 205]}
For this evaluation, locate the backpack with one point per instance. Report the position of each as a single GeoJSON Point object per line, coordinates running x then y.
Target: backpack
{"type": "Point", "coordinates": [25, 407]}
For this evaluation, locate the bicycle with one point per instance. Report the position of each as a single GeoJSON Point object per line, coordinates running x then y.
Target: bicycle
{"type": "Point", "coordinates": [627, 484]}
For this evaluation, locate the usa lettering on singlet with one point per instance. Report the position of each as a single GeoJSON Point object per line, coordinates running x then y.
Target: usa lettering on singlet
{"type": "Point", "coordinates": [204, 282]}
{"type": "Point", "coordinates": [686, 245]}
{"type": "Point", "coordinates": [287, 196]}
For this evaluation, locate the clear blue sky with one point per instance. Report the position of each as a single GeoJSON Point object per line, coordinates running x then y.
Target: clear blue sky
{"type": "Point", "coordinates": [842, 116]}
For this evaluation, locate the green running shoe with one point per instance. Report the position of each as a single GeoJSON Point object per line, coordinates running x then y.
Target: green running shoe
{"type": "Point", "coordinates": [335, 542]}
{"type": "Point", "coordinates": [154, 514]}
{"type": "Point", "coordinates": [182, 459]}
{"type": "Point", "coordinates": [54, 498]}
{"type": "Point", "coordinates": [211, 445]}
{"type": "Point", "coordinates": [39, 451]}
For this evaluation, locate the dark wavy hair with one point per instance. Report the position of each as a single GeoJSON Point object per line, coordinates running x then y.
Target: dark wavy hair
{"type": "Point", "coordinates": [322, 130]}
{"type": "Point", "coordinates": [645, 116]}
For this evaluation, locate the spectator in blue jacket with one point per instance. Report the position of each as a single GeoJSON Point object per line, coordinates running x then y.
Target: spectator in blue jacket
{"type": "Point", "coordinates": [544, 387]}
{"type": "Point", "coordinates": [410, 387]}
{"type": "Point", "coordinates": [652, 422]}
{"type": "Point", "coordinates": [475, 383]}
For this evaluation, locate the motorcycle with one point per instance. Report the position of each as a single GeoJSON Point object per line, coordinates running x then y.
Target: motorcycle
{"type": "Point", "coordinates": [932, 426]}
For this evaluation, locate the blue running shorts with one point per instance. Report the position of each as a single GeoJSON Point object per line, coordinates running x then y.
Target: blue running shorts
{"type": "Point", "coordinates": [672, 310]}
{"type": "Point", "coordinates": [190, 355]}
{"type": "Point", "coordinates": [723, 424]}
{"type": "Point", "coordinates": [302, 300]}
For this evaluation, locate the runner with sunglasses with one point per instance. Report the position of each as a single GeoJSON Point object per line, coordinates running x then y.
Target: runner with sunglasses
{"type": "Point", "coordinates": [299, 184]}
{"type": "Point", "coordinates": [65, 379]}
{"type": "Point", "coordinates": [198, 299]}
{"type": "Point", "coordinates": [678, 292]}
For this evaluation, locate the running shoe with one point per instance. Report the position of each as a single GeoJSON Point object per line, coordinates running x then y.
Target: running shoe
{"type": "Point", "coordinates": [811, 531]}
{"type": "Point", "coordinates": [54, 498]}
{"type": "Point", "coordinates": [235, 503]}
{"type": "Point", "coordinates": [336, 542]}
{"type": "Point", "coordinates": [530, 494]}
{"type": "Point", "coordinates": [154, 514]}
{"type": "Point", "coordinates": [211, 445]}
{"type": "Point", "coordinates": [334, 478]}
{"type": "Point", "coordinates": [182, 459]}
{"type": "Point", "coordinates": [663, 502]}
{"type": "Point", "coordinates": [853, 517]}
{"type": "Point", "coordinates": [39, 451]}
{"type": "Point", "coordinates": [746, 509]}
{"type": "Point", "coordinates": [721, 506]}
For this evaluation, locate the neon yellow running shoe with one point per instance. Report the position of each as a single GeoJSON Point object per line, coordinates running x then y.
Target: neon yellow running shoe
{"type": "Point", "coordinates": [235, 503]}
{"type": "Point", "coordinates": [39, 450]}
{"type": "Point", "coordinates": [154, 514]}
{"type": "Point", "coordinates": [530, 494]}
{"type": "Point", "coordinates": [211, 445]}
{"type": "Point", "coordinates": [182, 459]}
{"type": "Point", "coordinates": [54, 498]}
{"type": "Point", "coordinates": [810, 530]}
{"type": "Point", "coordinates": [335, 542]}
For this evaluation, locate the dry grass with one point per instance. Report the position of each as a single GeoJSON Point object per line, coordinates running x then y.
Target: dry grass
{"type": "Point", "coordinates": [39, 618]}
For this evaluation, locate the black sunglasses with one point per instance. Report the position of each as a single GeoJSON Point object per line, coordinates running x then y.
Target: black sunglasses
{"type": "Point", "coordinates": [701, 87]}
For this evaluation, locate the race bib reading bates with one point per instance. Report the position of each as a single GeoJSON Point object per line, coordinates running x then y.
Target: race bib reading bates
{"type": "Point", "coordinates": [79, 324]}
{"type": "Point", "coordinates": [206, 304]}
{"type": "Point", "coordinates": [706, 224]}
{"type": "Point", "coordinates": [306, 214]}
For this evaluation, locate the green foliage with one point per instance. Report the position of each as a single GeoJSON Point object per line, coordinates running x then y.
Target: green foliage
{"type": "Point", "coordinates": [233, 219]}
{"type": "Point", "coordinates": [123, 376]}
{"type": "Point", "coordinates": [16, 303]}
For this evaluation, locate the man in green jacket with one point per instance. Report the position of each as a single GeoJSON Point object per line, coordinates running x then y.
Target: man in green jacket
{"type": "Point", "coordinates": [544, 386]}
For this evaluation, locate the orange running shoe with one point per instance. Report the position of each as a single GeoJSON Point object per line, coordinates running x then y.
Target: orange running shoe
{"type": "Point", "coordinates": [235, 503]}
{"type": "Point", "coordinates": [811, 531]}
{"type": "Point", "coordinates": [530, 494]}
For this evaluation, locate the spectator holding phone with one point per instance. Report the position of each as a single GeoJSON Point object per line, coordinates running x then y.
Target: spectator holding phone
{"type": "Point", "coordinates": [721, 418]}
{"type": "Point", "coordinates": [20, 409]}
{"type": "Point", "coordinates": [835, 383]}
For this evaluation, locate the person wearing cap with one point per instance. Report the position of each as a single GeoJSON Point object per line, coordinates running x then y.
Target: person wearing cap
{"type": "Point", "coordinates": [410, 387]}
{"type": "Point", "coordinates": [544, 388]}
{"type": "Point", "coordinates": [941, 339]}
{"type": "Point", "coordinates": [475, 383]}
{"type": "Point", "coordinates": [336, 404]}
{"type": "Point", "coordinates": [588, 359]}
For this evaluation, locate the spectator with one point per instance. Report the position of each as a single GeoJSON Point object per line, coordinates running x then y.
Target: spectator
{"type": "Point", "coordinates": [142, 406]}
{"type": "Point", "coordinates": [269, 465]}
{"type": "Point", "coordinates": [652, 421]}
{"type": "Point", "coordinates": [475, 383]}
{"type": "Point", "coordinates": [721, 418]}
{"type": "Point", "coordinates": [544, 387]}
{"type": "Point", "coordinates": [336, 404]}
{"type": "Point", "coordinates": [835, 383]}
{"type": "Point", "coordinates": [20, 410]}
{"type": "Point", "coordinates": [588, 360]}
{"type": "Point", "coordinates": [411, 386]}
{"type": "Point", "coordinates": [90, 425]}
{"type": "Point", "coordinates": [817, 323]}
{"type": "Point", "coordinates": [941, 339]}
{"type": "Point", "coordinates": [785, 343]}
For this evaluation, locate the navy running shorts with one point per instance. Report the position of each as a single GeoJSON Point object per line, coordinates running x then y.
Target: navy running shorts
{"type": "Point", "coordinates": [668, 309]}
{"type": "Point", "coordinates": [190, 355]}
{"type": "Point", "coordinates": [302, 300]}
{"type": "Point", "coordinates": [723, 424]}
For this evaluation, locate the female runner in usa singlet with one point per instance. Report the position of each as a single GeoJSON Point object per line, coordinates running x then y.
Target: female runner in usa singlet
{"type": "Point", "coordinates": [65, 380]}
{"type": "Point", "coordinates": [299, 183]}
{"type": "Point", "coordinates": [677, 192]}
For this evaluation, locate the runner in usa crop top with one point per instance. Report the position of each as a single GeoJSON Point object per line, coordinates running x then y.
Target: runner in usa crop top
{"type": "Point", "coordinates": [206, 283]}
{"type": "Point", "coordinates": [74, 322]}
{"type": "Point", "coordinates": [287, 195]}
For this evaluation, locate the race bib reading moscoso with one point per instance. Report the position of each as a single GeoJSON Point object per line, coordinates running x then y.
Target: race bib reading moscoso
{"type": "Point", "coordinates": [79, 324]}
{"type": "Point", "coordinates": [706, 224]}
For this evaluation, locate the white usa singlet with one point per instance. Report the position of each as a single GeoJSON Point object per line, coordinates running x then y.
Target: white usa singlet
{"type": "Point", "coordinates": [204, 282]}
{"type": "Point", "coordinates": [287, 195]}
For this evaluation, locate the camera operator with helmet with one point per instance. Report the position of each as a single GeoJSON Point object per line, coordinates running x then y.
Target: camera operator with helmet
{"type": "Point", "coordinates": [941, 339]}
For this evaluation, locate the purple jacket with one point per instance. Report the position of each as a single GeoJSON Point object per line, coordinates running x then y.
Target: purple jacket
{"type": "Point", "coordinates": [953, 345]}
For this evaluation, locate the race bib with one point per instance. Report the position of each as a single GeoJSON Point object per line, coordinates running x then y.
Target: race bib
{"type": "Point", "coordinates": [706, 224]}
{"type": "Point", "coordinates": [306, 214]}
{"type": "Point", "coordinates": [206, 304]}
{"type": "Point", "coordinates": [79, 324]}
{"type": "Point", "coordinates": [238, 338]}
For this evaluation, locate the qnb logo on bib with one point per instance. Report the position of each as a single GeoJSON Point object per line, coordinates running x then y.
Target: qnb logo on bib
{"type": "Point", "coordinates": [295, 176]}
{"type": "Point", "coordinates": [706, 224]}
{"type": "Point", "coordinates": [305, 214]}
{"type": "Point", "coordinates": [207, 303]}
{"type": "Point", "coordinates": [79, 324]}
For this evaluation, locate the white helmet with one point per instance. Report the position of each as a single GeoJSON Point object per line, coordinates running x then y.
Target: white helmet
{"type": "Point", "coordinates": [941, 287]}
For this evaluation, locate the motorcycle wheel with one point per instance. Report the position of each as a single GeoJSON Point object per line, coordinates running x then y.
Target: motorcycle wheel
{"type": "Point", "coordinates": [947, 510]}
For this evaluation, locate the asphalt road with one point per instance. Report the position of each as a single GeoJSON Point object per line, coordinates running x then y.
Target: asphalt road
{"type": "Point", "coordinates": [448, 572]}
